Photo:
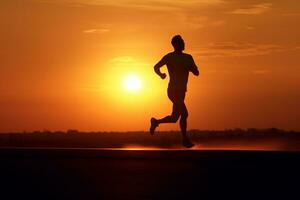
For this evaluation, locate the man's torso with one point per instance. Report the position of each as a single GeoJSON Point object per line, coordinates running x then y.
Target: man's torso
{"type": "Point", "coordinates": [178, 65]}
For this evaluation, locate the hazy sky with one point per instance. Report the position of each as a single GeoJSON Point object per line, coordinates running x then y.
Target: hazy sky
{"type": "Point", "coordinates": [63, 62]}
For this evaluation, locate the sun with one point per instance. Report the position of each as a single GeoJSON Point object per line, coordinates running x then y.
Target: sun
{"type": "Point", "coordinates": [132, 83]}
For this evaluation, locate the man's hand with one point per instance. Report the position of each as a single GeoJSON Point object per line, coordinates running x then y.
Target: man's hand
{"type": "Point", "coordinates": [158, 66]}
{"type": "Point", "coordinates": [196, 72]}
{"type": "Point", "coordinates": [163, 75]}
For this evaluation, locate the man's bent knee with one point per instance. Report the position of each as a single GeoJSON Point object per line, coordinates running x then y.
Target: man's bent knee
{"type": "Point", "coordinates": [174, 117]}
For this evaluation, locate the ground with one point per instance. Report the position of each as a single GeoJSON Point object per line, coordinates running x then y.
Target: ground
{"type": "Point", "coordinates": [53, 173]}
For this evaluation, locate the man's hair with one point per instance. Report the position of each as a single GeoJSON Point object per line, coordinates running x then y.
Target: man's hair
{"type": "Point", "coordinates": [176, 39]}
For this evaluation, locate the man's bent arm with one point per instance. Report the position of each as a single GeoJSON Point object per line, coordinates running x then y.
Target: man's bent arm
{"type": "Point", "coordinates": [158, 66]}
{"type": "Point", "coordinates": [194, 68]}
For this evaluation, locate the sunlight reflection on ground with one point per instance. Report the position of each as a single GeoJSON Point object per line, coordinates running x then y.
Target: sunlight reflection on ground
{"type": "Point", "coordinates": [203, 147]}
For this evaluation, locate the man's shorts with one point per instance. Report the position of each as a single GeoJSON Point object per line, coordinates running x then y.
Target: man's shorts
{"type": "Point", "coordinates": [177, 98]}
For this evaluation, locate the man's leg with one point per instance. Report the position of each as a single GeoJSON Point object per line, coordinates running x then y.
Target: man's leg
{"type": "Point", "coordinates": [183, 126]}
{"type": "Point", "coordinates": [183, 120]}
{"type": "Point", "coordinates": [167, 119]}
{"type": "Point", "coordinates": [173, 118]}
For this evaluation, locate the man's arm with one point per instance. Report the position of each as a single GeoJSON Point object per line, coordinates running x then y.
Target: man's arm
{"type": "Point", "coordinates": [157, 67]}
{"type": "Point", "coordinates": [194, 68]}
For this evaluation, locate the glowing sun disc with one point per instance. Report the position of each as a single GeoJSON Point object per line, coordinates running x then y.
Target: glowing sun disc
{"type": "Point", "coordinates": [132, 83]}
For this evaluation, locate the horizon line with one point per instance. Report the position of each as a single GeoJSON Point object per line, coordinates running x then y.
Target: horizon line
{"type": "Point", "coordinates": [144, 131]}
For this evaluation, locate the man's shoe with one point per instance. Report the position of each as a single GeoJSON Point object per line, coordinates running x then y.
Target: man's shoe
{"type": "Point", "coordinates": [187, 143]}
{"type": "Point", "coordinates": [153, 126]}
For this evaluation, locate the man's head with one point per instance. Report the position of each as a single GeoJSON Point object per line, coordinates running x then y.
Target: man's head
{"type": "Point", "coordinates": [178, 43]}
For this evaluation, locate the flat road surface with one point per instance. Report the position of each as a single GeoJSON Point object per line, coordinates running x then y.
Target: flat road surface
{"type": "Point", "coordinates": [58, 173]}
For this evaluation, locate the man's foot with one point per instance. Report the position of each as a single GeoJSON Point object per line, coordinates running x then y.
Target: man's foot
{"type": "Point", "coordinates": [187, 143]}
{"type": "Point", "coordinates": [153, 126]}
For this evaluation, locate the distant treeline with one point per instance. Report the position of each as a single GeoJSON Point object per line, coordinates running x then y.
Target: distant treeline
{"type": "Point", "coordinates": [195, 132]}
{"type": "Point", "coordinates": [209, 138]}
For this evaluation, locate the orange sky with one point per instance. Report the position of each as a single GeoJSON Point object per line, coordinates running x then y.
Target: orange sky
{"type": "Point", "coordinates": [62, 63]}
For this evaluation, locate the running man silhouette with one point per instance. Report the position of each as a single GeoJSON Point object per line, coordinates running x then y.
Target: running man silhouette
{"type": "Point", "coordinates": [179, 65]}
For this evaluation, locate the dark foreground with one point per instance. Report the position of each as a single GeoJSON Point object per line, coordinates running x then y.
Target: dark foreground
{"type": "Point", "coordinates": [148, 174]}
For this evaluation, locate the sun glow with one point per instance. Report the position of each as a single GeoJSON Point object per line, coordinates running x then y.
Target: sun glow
{"type": "Point", "coordinates": [129, 84]}
{"type": "Point", "coordinates": [132, 83]}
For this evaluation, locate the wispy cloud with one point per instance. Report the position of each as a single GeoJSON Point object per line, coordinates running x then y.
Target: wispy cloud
{"type": "Point", "coordinates": [253, 10]}
{"type": "Point", "coordinates": [261, 71]}
{"type": "Point", "coordinates": [218, 23]}
{"type": "Point", "coordinates": [122, 59]}
{"type": "Point", "coordinates": [197, 22]}
{"type": "Point", "coordinates": [96, 31]}
{"type": "Point", "coordinates": [250, 28]}
{"type": "Point", "coordinates": [126, 61]}
{"type": "Point", "coordinates": [293, 14]}
{"type": "Point", "coordinates": [191, 21]}
{"type": "Point", "coordinates": [232, 49]}
{"type": "Point", "coordinates": [146, 4]}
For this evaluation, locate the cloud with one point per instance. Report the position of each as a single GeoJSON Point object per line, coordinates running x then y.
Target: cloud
{"type": "Point", "coordinates": [250, 28]}
{"type": "Point", "coordinates": [261, 72]}
{"type": "Point", "coordinates": [293, 14]}
{"type": "Point", "coordinates": [127, 62]}
{"type": "Point", "coordinates": [196, 22]}
{"type": "Point", "coordinates": [218, 23]}
{"type": "Point", "coordinates": [234, 49]}
{"type": "Point", "coordinates": [253, 10]}
{"type": "Point", "coordinates": [191, 21]}
{"type": "Point", "coordinates": [122, 59]}
{"type": "Point", "coordinates": [145, 4]}
{"type": "Point", "coordinates": [96, 31]}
